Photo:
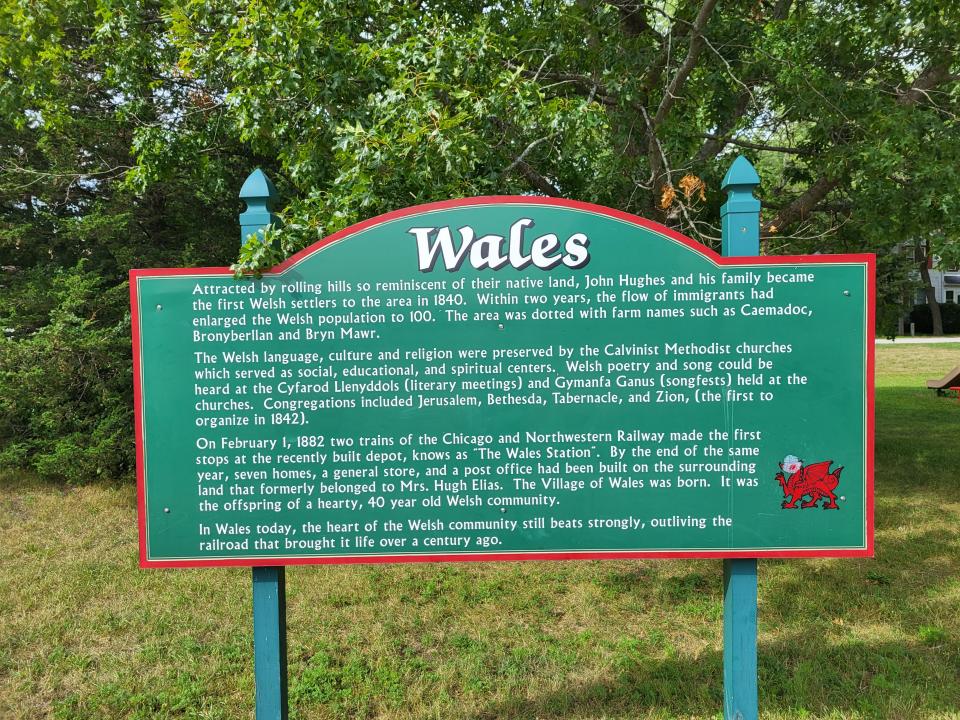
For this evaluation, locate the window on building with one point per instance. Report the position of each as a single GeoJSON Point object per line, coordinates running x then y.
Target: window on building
{"type": "Point", "coordinates": [949, 296]}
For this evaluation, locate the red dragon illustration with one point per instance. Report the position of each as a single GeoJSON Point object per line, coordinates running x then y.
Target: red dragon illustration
{"type": "Point", "coordinates": [814, 480]}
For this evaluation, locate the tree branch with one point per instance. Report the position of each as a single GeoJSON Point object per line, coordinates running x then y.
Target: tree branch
{"type": "Point", "coordinates": [651, 78]}
{"type": "Point", "coordinates": [722, 141]}
{"type": "Point", "coordinates": [802, 206]}
{"type": "Point", "coordinates": [807, 203]}
{"type": "Point", "coordinates": [537, 180]}
{"type": "Point", "coordinates": [655, 155]}
{"type": "Point", "coordinates": [522, 157]}
{"type": "Point", "coordinates": [781, 9]}
{"type": "Point", "coordinates": [714, 145]}
{"type": "Point", "coordinates": [585, 82]}
{"type": "Point", "coordinates": [693, 54]}
{"type": "Point", "coordinates": [632, 19]}
{"type": "Point", "coordinates": [931, 76]}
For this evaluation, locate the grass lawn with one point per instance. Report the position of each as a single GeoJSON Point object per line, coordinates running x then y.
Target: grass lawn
{"type": "Point", "coordinates": [86, 634]}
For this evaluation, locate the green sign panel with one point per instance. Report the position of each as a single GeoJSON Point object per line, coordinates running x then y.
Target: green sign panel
{"type": "Point", "coordinates": [505, 378]}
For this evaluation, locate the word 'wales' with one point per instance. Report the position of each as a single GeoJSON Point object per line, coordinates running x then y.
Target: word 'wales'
{"type": "Point", "coordinates": [496, 251]}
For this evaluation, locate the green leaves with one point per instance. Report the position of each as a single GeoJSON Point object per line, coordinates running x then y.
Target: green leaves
{"type": "Point", "coordinates": [64, 386]}
{"type": "Point", "coordinates": [128, 126]}
{"type": "Point", "coordinates": [260, 251]}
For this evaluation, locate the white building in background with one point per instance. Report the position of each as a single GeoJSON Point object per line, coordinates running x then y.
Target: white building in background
{"type": "Point", "coordinates": [946, 285]}
{"type": "Point", "coordinates": [946, 289]}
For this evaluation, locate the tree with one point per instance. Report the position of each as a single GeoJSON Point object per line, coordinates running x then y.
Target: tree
{"type": "Point", "coordinates": [849, 110]}
{"type": "Point", "coordinates": [123, 122]}
{"type": "Point", "coordinates": [80, 87]}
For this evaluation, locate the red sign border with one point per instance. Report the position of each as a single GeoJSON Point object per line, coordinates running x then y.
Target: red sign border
{"type": "Point", "coordinates": [865, 258]}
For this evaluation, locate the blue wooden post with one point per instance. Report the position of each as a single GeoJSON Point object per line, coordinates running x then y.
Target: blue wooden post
{"type": "Point", "coordinates": [260, 195]}
{"type": "Point", "coordinates": [740, 217]}
{"type": "Point", "coordinates": [269, 583]}
{"type": "Point", "coordinates": [270, 642]}
{"type": "Point", "coordinates": [740, 639]}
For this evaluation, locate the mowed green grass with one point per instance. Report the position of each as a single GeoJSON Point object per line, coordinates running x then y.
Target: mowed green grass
{"type": "Point", "coordinates": [86, 634]}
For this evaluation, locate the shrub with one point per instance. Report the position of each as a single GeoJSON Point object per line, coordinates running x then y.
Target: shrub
{"type": "Point", "coordinates": [65, 388]}
{"type": "Point", "coordinates": [923, 319]}
{"type": "Point", "coordinates": [888, 315]}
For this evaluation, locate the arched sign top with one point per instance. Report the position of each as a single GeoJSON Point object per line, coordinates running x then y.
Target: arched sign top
{"type": "Point", "coordinates": [517, 202]}
{"type": "Point", "coordinates": [505, 378]}
{"type": "Point", "coordinates": [651, 229]}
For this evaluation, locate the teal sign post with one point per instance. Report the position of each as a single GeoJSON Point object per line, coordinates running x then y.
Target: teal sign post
{"type": "Point", "coordinates": [269, 582]}
{"type": "Point", "coordinates": [507, 378]}
{"type": "Point", "coordinates": [740, 236]}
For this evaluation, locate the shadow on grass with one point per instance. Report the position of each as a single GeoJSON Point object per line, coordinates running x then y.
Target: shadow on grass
{"type": "Point", "coordinates": [824, 658]}
{"type": "Point", "coordinates": [795, 674]}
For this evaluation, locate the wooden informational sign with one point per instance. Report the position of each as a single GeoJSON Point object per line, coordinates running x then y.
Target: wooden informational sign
{"type": "Point", "coordinates": [505, 378]}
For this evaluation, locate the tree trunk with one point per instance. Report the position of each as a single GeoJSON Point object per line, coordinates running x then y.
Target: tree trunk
{"type": "Point", "coordinates": [930, 292]}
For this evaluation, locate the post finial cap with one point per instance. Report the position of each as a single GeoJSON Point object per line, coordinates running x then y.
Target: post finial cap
{"type": "Point", "coordinates": [258, 186]}
{"type": "Point", "coordinates": [741, 172]}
